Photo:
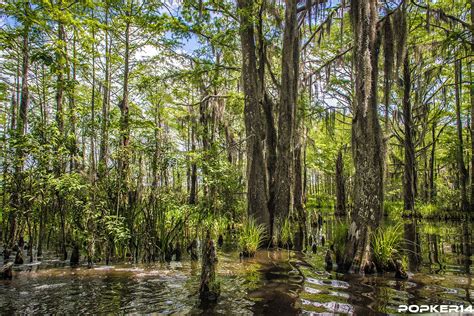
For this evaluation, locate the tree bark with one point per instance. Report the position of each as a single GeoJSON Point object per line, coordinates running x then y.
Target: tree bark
{"type": "Point", "coordinates": [124, 159]}
{"type": "Point", "coordinates": [156, 154]}
{"type": "Point", "coordinates": [209, 289]}
{"type": "Point", "coordinates": [298, 199]}
{"type": "Point", "coordinates": [471, 92]}
{"type": "Point", "coordinates": [367, 143]}
{"type": "Point", "coordinates": [256, 166]}
{"type": "Point", "coordinates": [472, 130]}
{"type": "Point", "coordinates": [409, 163]}
{"type": "Point", "coordinates": [340, 186]}
{"type": "Point", "coordinates": [60, 85]}
{"type": "Point", "coordinates": [21, 125]}
{"type": "Point", "coordinates": [431, 175]}
{"type": "Point", "coordinates": [268, 110]}
{"type": "Point", "coordinates": [284, 177]}
{"type": "Point", "coordinates": [104, 139]}
{"type": "Point", "coordinates": [463, 175]}
{"type": "Point", "coordinates": [72, 105]}
{"type": "Point", "coordinates": [60, 77]}
{"type": "Point", "coordinates": [193, 190]}
{"type": "Point", "coordinates": [93, 171]}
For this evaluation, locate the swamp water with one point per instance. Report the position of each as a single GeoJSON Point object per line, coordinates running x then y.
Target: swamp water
{"type": "Point", "coordinates": [276, 282]}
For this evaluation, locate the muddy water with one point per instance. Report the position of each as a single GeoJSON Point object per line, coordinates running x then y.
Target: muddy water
{"type": "Point", "coordinates": [272, 283]}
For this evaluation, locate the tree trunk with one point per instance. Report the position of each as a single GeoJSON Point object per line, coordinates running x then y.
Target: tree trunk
{"type": "Point", "coordinates": [298, 199]}
{"type": "Point", "coordinates": [156, 154]}
{"type": "Point", "coordinates": [256, 167]}
{"type": "Point", "coordinates": [412, 244]}
{"type": "Point", "coordinates": [268, 109]}
{"type": "Point", "coordinates": [431, 176]}
{"type": "Point", "coordinates": [93, 168]}
{"type": "Point", "coordinates": [72, 105]}
{"type": "Point", "coordinates": [209, 289]}
{"type": "Point", "coordinates": [471, 92]}
{"type": "Point", "coordinates": [104, 139]}
{"type": "Point", "coordinates": [284, 177]}
{"type": "Point", "coordinates": [193, 190]}
{"type": "Point", "coordinates": [60, 77]}
{"type": "Point", "coordinates": [409, 163]}
{"type": "Point", "coordinates": [124, 158]}
{"type": "Point", "coordinates": [270, 155]}
{"type": "Point", "coordinates": [60, 84]}
{"type": "Point", "coordinates": [463, 176]}
{"type": "Point", "coordinates": [340, 186]}
{"type": "Point", "coordinates": [367, 143]}
{"type": "Point", "coordinates": [16, 199]}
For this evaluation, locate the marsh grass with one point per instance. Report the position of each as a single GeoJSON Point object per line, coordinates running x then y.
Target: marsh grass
{"type": "Point", "coordinates": [286, 235]}
{"type": "Point", "coordinates": [251, 237]}
{"type": "Point", "coordinates": [387, 245]}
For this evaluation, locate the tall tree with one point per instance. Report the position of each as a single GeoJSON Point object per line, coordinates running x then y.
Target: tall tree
{"type": "Point", "coordinates": [340, 186]}
{"type": "Point", "coordinates": [409, 146]}
{"type": "Point", "coordinates": [471, 92]}
{"type": "Point", "coordinates": [104, 132]}
{"type": "Point", "coordinates": [256, 167]}
{"type": "Point", "coordinates": [463, 174]}
{"type": "Point", "coordinates": [284, 173]}
{"type": "Point", "coordinates": [124, 205]}
{"type": "Point", "coordinates": [367, 143]}
{"type": "Point", "coordinates": [21, 126]}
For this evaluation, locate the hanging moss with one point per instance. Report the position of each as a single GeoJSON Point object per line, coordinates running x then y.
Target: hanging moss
{"type": "Point", "coordinates": [400, 24]}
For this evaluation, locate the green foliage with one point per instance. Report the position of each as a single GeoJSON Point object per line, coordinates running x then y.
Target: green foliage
{"type": "Point", "coordinates": [386, 246]}
{"type": "Point", "coordinates": [286, 232]}
{"type": "Point", "coordinates": [447, 197]}
{"type": "Point", "coordinates": [251, 237]}
{"type": "Point", "coordinates": [321, 201]}
{"type": "Point", "coordinates": [428, 210]}
{"type": "Point", "coordinates": [223, 180]}
{"type": "Point", "coordinates": [340, 232]}
{"type": "Point", "coordinates": [186, 112]}
{"type": "Point", "coordinates": [116, 228]}
{"type": "Point", "coordinates": [394, 209]}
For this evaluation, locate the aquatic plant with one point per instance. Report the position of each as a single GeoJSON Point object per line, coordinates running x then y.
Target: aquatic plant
{"type": "Point", "coordinates": [286, 236]}
{"type": "Point", "coordinates": [386, 245]}
{"type": "Point", "coordinates": [251, 237]}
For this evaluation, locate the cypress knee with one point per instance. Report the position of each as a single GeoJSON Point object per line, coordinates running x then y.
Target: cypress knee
{"type": "Point", "coordinates": [209, 289]}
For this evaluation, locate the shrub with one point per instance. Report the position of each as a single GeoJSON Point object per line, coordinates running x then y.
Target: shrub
{"type": "Point", "coordinates": [386, 244]}
{"type": "Point", "coordinates": [393, 208]}
{"type": "Point", "coordinates": [428, 210]}
{"type": "Point", "coordinates": [251, 237]}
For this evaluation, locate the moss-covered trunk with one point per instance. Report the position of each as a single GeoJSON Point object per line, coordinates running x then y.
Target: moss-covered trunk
{"type": "Point", "coordinates": [284, 176]}
{"type": "Point", "coordinates": [367, 144]}
{"type": "Point", "coordinates": [256, 166]}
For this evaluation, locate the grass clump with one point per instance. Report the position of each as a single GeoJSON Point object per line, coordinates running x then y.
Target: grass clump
{"type": "Point", "coordinates": [286, 235]}
{"type": "Point", "coordinates": [251, 237]}
{"type": "Point", "coordinates": [386, 245]}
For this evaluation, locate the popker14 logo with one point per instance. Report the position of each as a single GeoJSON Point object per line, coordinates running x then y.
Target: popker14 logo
{"type": "Point", "coordinates": [435, 309]}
